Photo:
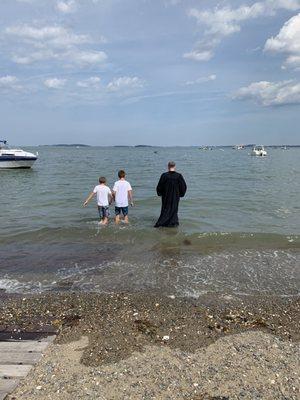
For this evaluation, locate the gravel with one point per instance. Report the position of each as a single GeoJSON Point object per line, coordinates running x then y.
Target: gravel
{"type": "Point", "coordinates": [147, 346]}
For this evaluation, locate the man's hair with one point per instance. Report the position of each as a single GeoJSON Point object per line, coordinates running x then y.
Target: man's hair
{"type": "Point", "coordinates": [102, 179]}
{"type": "Point", "coordinates": [171, 164]}
{"type": "Point", "coordinates": [121, 174]}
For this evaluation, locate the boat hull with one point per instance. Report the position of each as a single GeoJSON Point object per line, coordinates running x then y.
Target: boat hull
{"type": "Point", "coordinates": [14, 164]}
{"type": "Point", "coordinates": [259, 154]}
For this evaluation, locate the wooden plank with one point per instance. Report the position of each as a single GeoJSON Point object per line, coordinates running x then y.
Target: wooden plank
{"type": "Point", "coordinates": [28, 345]}
{"type": "Point", "coordinates": [14, 371]}
{"type": "Point", "coordinates": [3, 395]}
{"type": "Point", "coordinates": [49, 339]}
{"type": "Point", "coordinates": [8, 385]}
{"type": "Point", "coordinates": [19, 357]}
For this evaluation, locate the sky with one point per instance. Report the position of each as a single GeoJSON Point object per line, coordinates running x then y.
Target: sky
{"type": "Point", "coordinates": [158, 72]}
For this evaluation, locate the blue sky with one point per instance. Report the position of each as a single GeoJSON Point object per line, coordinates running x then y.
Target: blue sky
{"type": "Point", "coordinates": [165, 72]}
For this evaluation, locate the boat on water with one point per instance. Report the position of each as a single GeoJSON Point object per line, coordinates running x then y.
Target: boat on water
{"type": "Point", "coordinates": [15, 158]}
{"type": "Point", "coordinates": [205, 148]}
{"type": "Point", "coordinates": [259, 151]}
{"type": "Point", "coordinates": [239, 147]}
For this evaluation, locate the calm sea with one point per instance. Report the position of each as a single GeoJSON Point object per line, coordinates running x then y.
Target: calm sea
{"type": "Point", "coordinates": [239, 232]}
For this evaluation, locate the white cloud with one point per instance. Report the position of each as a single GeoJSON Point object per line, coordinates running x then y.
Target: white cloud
{"type": "Point", "coordinates": [9, 82]}
{"type": "Point", "coordinates": [92, 82]}
{"type": "Point", "coordinates": [66, 7]}
{"type": "Point", "coordinates": [83, 58]}
{"type": "Point", "coordinates": [221, 22]}
{"type": "Point", "coordinates": [199, 55]}
{"type": "Point", "coordinates": [52, 35]}
{"type": "Point", "coordinates": [55, 83]}
{"type": "Point", "coordinates": [287, 42]}
{"type": "Point", "coordinates": [202, 79]}
{"type": "Point", "coordinates": [52, 42]}
{"type": "Point", "coordinates": [271, 93]}
{"type": "Point", "coordinates": [124, 83]}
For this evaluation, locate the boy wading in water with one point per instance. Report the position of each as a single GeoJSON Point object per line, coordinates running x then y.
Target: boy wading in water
{"type": "Point", "coordinates": [104, 199]}
{"type": "Point", "coordinates": [122, 193]}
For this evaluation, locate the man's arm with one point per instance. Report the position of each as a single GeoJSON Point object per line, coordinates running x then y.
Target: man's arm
{"type": "Point", "coordinates": [182, 186]}
{"type": "Point", "coordinates": [90, 196]}
{"type": "Point", "coordinates": [160, 186]}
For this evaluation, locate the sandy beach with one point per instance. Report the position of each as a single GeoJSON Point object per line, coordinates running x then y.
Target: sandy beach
{"type": "Point", "coordinates": [146, 346]}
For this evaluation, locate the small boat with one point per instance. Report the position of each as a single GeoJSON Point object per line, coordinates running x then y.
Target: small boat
{"type": "Point", "coordinates": [205, 148]}
{"type": "Point", "coordinates": [15, 158]}
{"type": "Point", "coordinates": [259, 151]}
{"type": "Point", "coordinates": [239, 147]}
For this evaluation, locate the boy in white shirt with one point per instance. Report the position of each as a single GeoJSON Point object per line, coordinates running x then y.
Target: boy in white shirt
{"type": "Point", "coordinates": [122, 193]}
{"type": "Point", "coordinates": [104, 199]}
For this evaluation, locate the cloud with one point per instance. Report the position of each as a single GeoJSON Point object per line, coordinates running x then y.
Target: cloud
{"type": "Point", "coordinates": [221, 22]}
{"type": "Point", "coordinates": [287, 42]}
{"type": "Point", "coordinates": [124, 83]}
{"type": "Point", "coordinates": [53, 35]}
{"type": "Point", "coordinates": [92, 82]}
{"type": "Point", "coordinates": [9, 82]}
{"type": "Point", "coordinates": [202, 79]}
{"type": "Point", "coordinates": [199, 55]}
{"type": "Point", "coordinates": [55, 83]}
{"type": "Point", "coordinates": [66, 7]}
{"type": "Point", "coordinates": [271, 93]}
{"type": "Point", "coordinates": [52, 42]}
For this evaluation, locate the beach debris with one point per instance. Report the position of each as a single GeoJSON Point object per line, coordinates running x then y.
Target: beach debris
{"type": "Point", "coordinates": [146, 327]}
{"type": "Point", "coordinates": [166, 338]}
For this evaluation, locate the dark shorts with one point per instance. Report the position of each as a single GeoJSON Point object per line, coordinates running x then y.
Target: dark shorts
{"type": "Point", "coordinates": [123, 210]}
{"type": "Point", "coordinates": [103, 212]}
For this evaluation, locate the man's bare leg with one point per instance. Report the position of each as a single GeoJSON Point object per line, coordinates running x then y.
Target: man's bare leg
{"type": "Point", "coordinates": [117, 219]}
{"type": "Point", "coordinates": [126, 220]}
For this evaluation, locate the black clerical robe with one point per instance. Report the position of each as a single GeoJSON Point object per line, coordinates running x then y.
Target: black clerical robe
{"type": "Point", "coordinates": [171, 187]}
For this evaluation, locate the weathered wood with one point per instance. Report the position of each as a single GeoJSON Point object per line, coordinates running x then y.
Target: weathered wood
{"type": "Point", "coordinates": [14, 371]}
{"type": "Point", "coordinates": [49, 339]}
{"type": "Point", "coordinates": [28, 345]}
{"type": "Point", "coordinates": [8, 385]}
{"type": "Point", "coordinates": [3, 395]}
{"type": "Point", "coordinates": [19, 357]}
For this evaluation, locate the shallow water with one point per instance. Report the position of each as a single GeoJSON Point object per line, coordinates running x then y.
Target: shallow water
{"type": "Point", "coordinates": [239, 232]}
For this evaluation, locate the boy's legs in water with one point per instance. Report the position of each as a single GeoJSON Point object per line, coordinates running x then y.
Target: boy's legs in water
{"type": "Point", "coordinates": [121, 211]}
{"type": "Point", "coordinates": [104, 221]}
{"type": "Point", "coordinates": [125, 213]}
{"type": "Point", "coordinates": [104, 215]}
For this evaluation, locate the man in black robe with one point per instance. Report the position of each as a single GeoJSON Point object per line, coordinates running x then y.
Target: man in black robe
{"type": "Point", "coordinates": [171, 187]}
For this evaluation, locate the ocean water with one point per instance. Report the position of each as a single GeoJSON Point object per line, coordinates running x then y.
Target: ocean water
{"type": "Point", "coordinates": [239, 223]}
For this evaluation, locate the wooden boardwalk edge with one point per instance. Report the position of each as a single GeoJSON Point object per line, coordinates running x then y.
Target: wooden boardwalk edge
{"type": "Point", "coordinates": [17, 359]}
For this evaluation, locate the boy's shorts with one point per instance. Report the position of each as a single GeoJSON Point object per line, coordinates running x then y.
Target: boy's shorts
{"type": "Point", "coordinates": [103, 211]}
{"type": "Point", "coordinates": [123, 210]}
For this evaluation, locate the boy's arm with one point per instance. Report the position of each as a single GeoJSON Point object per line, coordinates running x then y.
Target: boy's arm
{"type": "Point", "coordinates": [110, 197]}
{"type": "Point", "coordinates": [90, 196]}
{"type": "Point", "coordinates": [130, 197]}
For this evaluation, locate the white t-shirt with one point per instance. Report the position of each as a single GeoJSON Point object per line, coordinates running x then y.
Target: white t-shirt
{"type": "Point", "coordinates": [121, 189]}
{"type": "Point", "coordinates": [103, 193]}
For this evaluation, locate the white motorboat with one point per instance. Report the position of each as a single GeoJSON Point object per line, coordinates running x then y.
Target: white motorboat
{"type": "Point", "coordinates": [259, 151]}
{"type": "Point", "coordinates": [15, 158]}
{"type": "Point", "coordinates": [239, 147]}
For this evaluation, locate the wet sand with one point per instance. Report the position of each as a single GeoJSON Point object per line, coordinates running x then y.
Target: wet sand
{"type": "Point", "coordinates": [146, 346]}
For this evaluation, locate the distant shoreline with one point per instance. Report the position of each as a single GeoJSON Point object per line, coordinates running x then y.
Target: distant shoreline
{"type": "Point", "coordinates": [274, 146]}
